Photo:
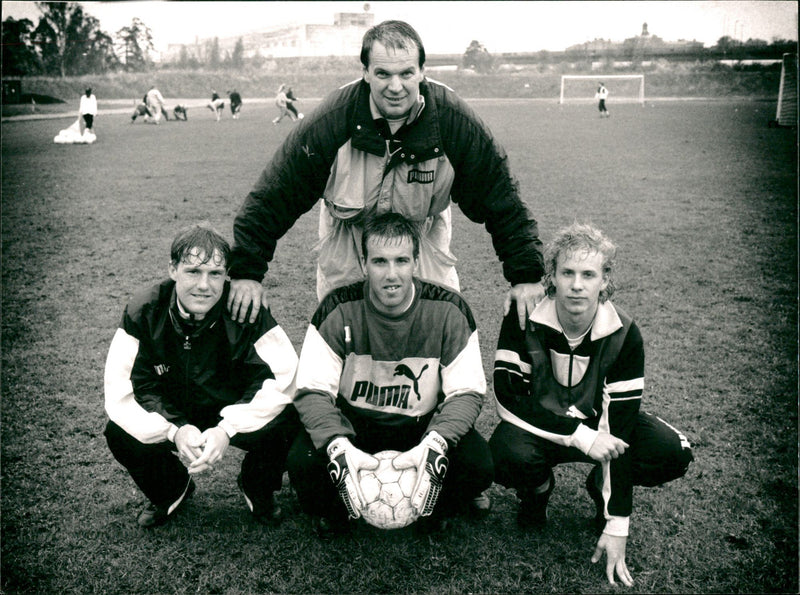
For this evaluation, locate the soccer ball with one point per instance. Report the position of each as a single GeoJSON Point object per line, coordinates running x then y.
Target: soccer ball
{"type": "Point", "coordinates": [300, 116]}
{"type": "Point", "coordinates": [387, 492]}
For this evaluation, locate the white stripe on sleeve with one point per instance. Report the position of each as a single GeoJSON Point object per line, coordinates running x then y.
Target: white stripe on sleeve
{"type": "Point", "coordinates": [320, 368]}
{"type": "Point", "coordinates": [465, 372]}
{"type": "Point", "coordinates": [276, 350]}
{"type": "Point", "coordinates": [146, 426]}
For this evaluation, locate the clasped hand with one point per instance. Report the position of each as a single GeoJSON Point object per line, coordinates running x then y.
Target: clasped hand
{"type": "Point", "coordinates": [200, 451]}
{"type": "Point", "coordinates": [606, 447]}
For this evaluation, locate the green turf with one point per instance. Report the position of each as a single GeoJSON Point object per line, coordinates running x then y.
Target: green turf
{"type": "Point", "coordinates": [701, 199]}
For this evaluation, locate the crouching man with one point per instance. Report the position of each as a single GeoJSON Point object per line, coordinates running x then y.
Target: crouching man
{"type": "Point", "coordinates": [569, 389]}
{"type": "Point", "coordinates": [183, 382]}
{"type": "Point", "coordinates": [392, 334]}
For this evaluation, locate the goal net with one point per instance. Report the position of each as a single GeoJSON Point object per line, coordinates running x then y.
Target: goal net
{"type": "Point", "coordinates": [622, 88]}
{"type": "Point", "coordinates": [787, 93]}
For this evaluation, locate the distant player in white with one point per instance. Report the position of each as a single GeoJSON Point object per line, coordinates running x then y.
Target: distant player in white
{"type": "Point", "coordinates": [155, 104]}
{"type": "Point", "coordinates": [284, 104]}
{"type": "Point", "coordinates": [217, 104]}
{"type": "Point", "coordinates": [88, 111]}
{"type": "Point", "coordinates": [601, 96]}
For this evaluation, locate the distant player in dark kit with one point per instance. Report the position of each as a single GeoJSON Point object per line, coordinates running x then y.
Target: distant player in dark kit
{"type": "Point", "coordinates": [141, 110]}
{"type": "Point", "coordinates": [183, 381]}
{"type": "Point", "coordinates": [290, 101]}
{"type": "Point", "coordinates": [181, 112]}
{"type": "Point", "coordinates": [236, 103]}
{"type": "Point", "coordinates": [569, 389]}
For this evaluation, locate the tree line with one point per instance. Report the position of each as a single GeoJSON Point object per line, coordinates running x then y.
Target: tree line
{"type": "Point", "coordinates": [69, 42]}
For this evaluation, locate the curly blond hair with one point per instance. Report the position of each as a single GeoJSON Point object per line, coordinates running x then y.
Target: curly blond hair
{"type": "Point", "coordinates": [576, 238]}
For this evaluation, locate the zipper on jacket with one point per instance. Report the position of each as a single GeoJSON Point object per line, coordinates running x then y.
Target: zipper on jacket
{"type": "Point", "coordinates": [569, 375]}
{"type": "Point", "coordinates": [187, 345]}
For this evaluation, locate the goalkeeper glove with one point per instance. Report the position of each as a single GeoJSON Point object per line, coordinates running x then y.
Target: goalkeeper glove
{"type": "Point", "coordinates": [345, 462]}
{"type": "Point", "coordinates": [428, 457]}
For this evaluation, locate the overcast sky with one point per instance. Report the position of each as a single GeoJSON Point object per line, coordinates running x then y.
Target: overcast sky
{"type": "Point", "coordinates": [448, 27]}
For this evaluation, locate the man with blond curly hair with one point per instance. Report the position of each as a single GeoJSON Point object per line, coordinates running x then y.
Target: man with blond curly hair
{"type": "Point", "coordinates": [569, 389]}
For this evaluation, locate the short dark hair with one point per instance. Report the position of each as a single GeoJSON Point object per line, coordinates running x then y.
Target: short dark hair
{"type": "Point", "coordinates": [203, 237]}
{"type": "Point", "coordinates": [392, 34]}
{"type": "Point", "coordinates": [576, 237]}
{"type": "Point", "coordinates": [390, 226]}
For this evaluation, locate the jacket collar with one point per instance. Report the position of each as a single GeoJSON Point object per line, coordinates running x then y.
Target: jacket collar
{"type": "Point", "coordinates": [419, 135]}
{"type": "Point", "coordinates": [606, 321]}
{"type": "Point", "coordinates": [410, 119]}
{"type": "Point", "coordinates": [182, 323]}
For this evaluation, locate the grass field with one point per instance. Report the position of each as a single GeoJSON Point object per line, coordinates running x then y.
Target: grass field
{"type": "Point", "coordinates": [701, 199]}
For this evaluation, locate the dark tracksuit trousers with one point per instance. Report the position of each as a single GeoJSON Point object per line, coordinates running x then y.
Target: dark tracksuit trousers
{"type": "Point", "coordinates": [158, 472]}
{"type": "Point", "coordinates": [523, 460]}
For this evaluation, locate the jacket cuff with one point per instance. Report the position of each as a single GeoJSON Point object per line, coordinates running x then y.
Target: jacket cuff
{"type": "Point", "coordinates": [583, 438]}
{"type": "Point", "coordinates": [243, 267]}
{"type": "Point", "coordinates": [229, 429]}
{"type": "Point", "coordinates": [526, 277]}
{"type": "Point", "coordinates": [617, 526]}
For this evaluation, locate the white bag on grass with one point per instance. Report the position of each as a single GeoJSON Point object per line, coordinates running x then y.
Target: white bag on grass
{"type": "Point", "coordinates": [73, 136]}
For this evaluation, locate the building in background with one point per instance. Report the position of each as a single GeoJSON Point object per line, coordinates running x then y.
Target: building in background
{"type": "Point", "coordinates": [342, 38]}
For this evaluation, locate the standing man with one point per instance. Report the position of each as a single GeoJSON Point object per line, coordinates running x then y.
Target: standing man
{"type": "Point", "coordinates": [601, 96]}
{"type": "Point", "coordinates": [88, 111]}
{"type": "Point", "coordinates": [183, 381]}
{"type": "Point", "coordinates": [569, 389]}
{"type": "Point", "coordinates": [391, 141]}
{"type": "Point", "coordinates": [390, 363]}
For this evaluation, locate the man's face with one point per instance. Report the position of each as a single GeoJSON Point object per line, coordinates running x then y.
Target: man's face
{"type": "Point", "coordinates": [198, 284]}
{"type": "Point", "coordinates": [393, 77]}
{"type": "Point", "coordinates": [578, 280]}
{"type": "Point", "coordinates": [390, 266]}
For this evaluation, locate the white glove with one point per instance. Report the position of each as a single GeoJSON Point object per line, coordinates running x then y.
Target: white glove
{"type": "Point", "coordinates": [428, 457]}
{"type": "Point", "coordinates": [346, 462]}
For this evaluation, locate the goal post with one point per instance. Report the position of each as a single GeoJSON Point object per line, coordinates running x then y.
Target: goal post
{"type": "Point", "coordinates": [625, 88]}
{"type": "Point", "coordinates": [786, 114]}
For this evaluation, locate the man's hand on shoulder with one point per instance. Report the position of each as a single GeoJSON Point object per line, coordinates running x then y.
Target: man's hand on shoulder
{"type": "Point", "coordinates": [614, 548]}
{"type": "Point", "coordinates": [245, 293]}
{"type": "Point", "coordinates": [526, 295]}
